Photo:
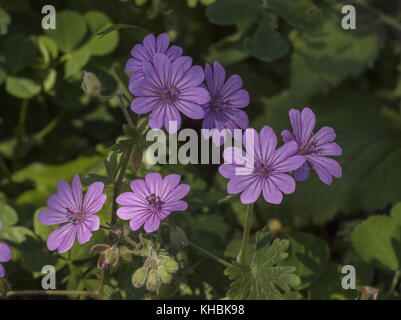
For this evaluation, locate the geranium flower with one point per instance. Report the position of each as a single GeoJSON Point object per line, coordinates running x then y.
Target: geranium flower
{"type": "Point", "coordinates": [314, 147]}
{"type": "Point", "coordinates": [5, 254]}
{"type": "Point", "coordinates": [169, 88]}
{"type": "Point", "coordinates": [227, 98]}
{"type": "Point", "coordinates": [152, 200]}
{"type": "Point", "coordinates": [75, 212]}
{"type": "Point", "coordinates": [145, 52]}
{"type": "Point", "coordinates": [264, 170]}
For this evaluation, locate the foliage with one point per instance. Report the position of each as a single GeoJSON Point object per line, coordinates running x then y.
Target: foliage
{"type": "Point", "coordinates": [289, 54]}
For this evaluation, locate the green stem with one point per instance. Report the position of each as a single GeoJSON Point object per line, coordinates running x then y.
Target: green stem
{"type": "Point", "coordinates": [383, 17]}
{"type": "Point", "coordinates": [210, 255]}
{"type": "Point", "coordinates": [396, 279]}
{"type": "Point", "coordinates": [118, 183]}
{"type": "Point", "coordinates": [51, 293]}
{"type": "Point", "coordinates": [100, 290]}
{"type": "Point", "coordinates": [245, 234]}
{"type": "Point", "coordinates": [124, 109]}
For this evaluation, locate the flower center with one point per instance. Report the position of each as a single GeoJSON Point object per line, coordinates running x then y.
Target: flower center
{"type": "Point", "coordinates": [154, 202]}
{"type": "Point", "coordinates": [262, 169]}
{"type": "Point", "coordinates": [169, 94]}
{"type": "Point", "coordinates": [310, 148]}
{"type": "Point", "coordinates": [75, 217]}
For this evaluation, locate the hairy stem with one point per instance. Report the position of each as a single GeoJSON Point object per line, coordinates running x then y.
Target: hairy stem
{"type": "Point", "coordinates": [245, 234]}
{"type": "Point", "coordinates": [209, 254]}
{"type": "Point", "coordinates": [124, 109]}
{"type": "Point", "coordinates": [118, 183]}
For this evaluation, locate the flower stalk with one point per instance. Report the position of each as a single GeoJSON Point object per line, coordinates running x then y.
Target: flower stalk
{"type": "Point", "coordinates": [209, 254]}
{"type": "Point", "coordinates": [245, 234]}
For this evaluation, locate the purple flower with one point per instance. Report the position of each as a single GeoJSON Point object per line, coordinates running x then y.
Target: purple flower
{"type": "Point", "coordinates": [314, 147]}
{"type": "Point", "coordinates": [151, 200]}
{"type": "Point", "coordinates": [146, 51]}
{"type": "Point", "coordinates": [169, 88]}
{"type": "Point", "coordinates": [76, 212]}
{"type": "Point", "coordinates": [223, 110]}
{"type": "Point", "coordinates": [5, 254]}
{"type": "Point", "coordinates": [265, 170]}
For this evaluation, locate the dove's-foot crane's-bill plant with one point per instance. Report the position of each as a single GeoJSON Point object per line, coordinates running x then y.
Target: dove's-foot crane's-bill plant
{"type": "Point", "coordinates": [166, 85]}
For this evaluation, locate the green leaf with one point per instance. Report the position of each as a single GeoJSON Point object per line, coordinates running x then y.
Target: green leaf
{"type": "Point", "coordinates": [19, 50]}
{"type": "Point", "coordinates": [50, 80]}
{"type": "Point", "coordinates": [309, 255]}
{"type": "Point", "coordinates": [45, 177]}
{"type": "Point", "coordinates": [138, 32]}
{"type": "Point", "coordinates": [267, 44]}
{"type": "Point", "coordinates": [302, 14]}
{"type": "Point", "coordinates": [377, 240]}
{"type": "Point", "coordinates": [8, 216]}
{"type": "Point", "coordinates": [101, 46]}
{"type": "Point", "coordinates": [327, 56]}
{"type": "Point", "coordinates": [48, 48]}
{"type": "Point", "coordinates": [77, 60]}
{"type": "Point", "coordinates": [228, 50]}
{"type": "Point", "coordinates": [264, 278]}
{"type": "Point", "coordinates": [226, 12]}
{"type": "Point", "coordinates": [41, 230]}
{"type": "Point", "coordinates": [22, 88]}
{"type": "Point", "coordinates": [70, 31]}
{"type": "Point", "coordinates": [5, 21]}
{"type": "Point", "coordinates": [204, 221]}
{"type": "Point", "coordinates": [16, 234]}
{"type": "Point", "coordinates": [328, 285]}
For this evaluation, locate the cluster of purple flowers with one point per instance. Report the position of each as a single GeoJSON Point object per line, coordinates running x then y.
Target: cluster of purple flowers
{"type": "Point", "coordinates": [166, 84]}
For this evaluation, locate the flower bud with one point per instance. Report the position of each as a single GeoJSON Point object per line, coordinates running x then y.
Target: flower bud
{"type": "Point", "coordinates": [164, 275]}
{"type": "Point", "coordinates": [152, 283]}
{"type": "Point", "coordinates": [112, 256]}
{"type": "Point", "coordinates": [170, 264]}
{"type": "Point", "coordinates": [91, 85]}
{"type": "Point", "coordinates": [139, 277]}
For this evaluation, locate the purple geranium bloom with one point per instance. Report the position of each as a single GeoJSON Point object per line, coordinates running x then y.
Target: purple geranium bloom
{"type": "Point", "coordinates": [314, 147]}
{"type": "Point", "coordinates": [266, 168]}
{"type": "Point", "coordinates": [5, 254]}
{"type": "Point", "coordinates": [151, 200]}
{"type": "Point", "coordinates": [145, 52]}
{"type": "Point", "coordinates": [77, 213]}
{"type": "Point", "coordinates": [223, 110]}
{"type": "Point", "coordinates": [169, 88]}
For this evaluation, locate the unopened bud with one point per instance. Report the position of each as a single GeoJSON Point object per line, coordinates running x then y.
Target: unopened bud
{"type": "Point", "coordinates": [91, 85]}
{"type": "Point", "coordinates": [139, 277]}
{"type": "Point", "coordinates": [164, 275]}
{"type": "Point", "coordinates": [112, 256]}
{"type": "Point", "coordinates": [152, 283]}
{"type": "Point", "coordinates": [170, 264]}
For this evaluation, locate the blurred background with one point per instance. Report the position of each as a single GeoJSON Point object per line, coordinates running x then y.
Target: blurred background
{"type": "Point", "coordinates": [290, 54]}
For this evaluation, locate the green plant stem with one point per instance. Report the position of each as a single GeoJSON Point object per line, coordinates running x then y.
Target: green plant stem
{"type": "Point", "coordinates": [382, 17]}
{"type": "Point", "coordinates": [51, 293]}
{"type": "Point", "coordinates": [124, 109]}
{"type": "Point", "coordinates": [209, 254]}
{"type": "Point", "coordinates": [396, 279]}
{"type": "Point", "coordinates": [245, 234]}
{"type": "Point", "coordinates": [100, 290]}
{"type": "Point", "coordinates": [118, 183]}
